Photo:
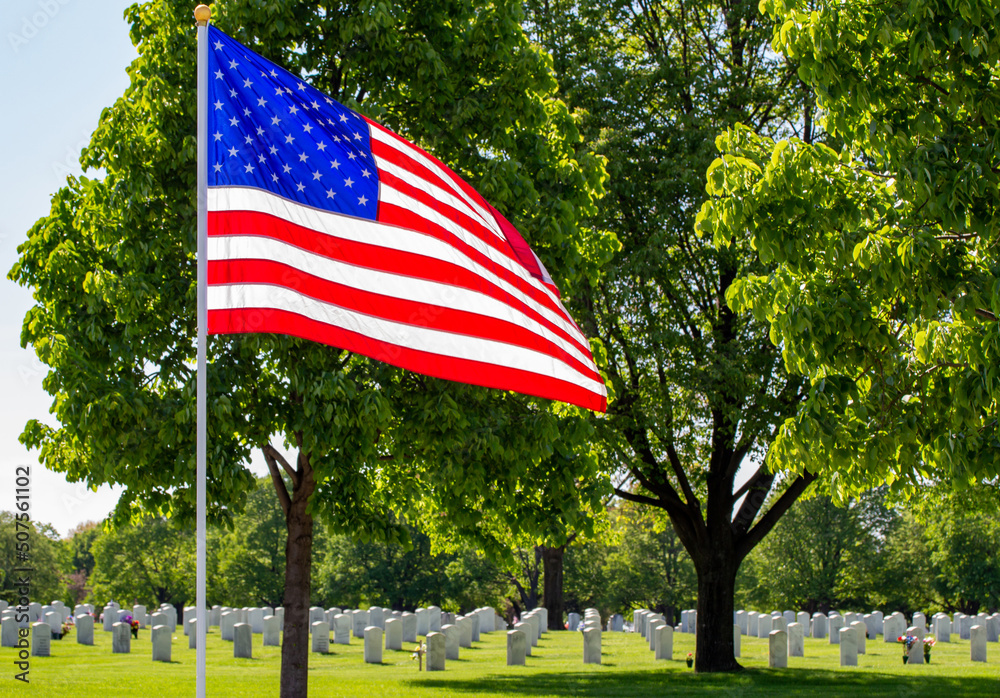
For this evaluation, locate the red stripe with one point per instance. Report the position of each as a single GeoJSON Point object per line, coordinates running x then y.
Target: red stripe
{"type": "Point", "coordinates": [447, 367]}
{"type": "Point", "coordinates": [384, 259]}
{"type": "Point", "coordinates": [443, 319]}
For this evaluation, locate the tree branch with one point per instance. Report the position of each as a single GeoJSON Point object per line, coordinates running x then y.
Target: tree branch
{"type": "Point", "coordinates": [271, 451]}
{"type": "Point", "coordinates": [279, 485]}
{"type": "Point", "coordinates": [745, 544]}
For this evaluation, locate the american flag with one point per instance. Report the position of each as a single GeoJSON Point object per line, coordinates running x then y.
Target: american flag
{"type": "Point", "coordinates": [327, 226]}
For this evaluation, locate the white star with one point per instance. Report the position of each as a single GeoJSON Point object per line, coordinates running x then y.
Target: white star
{"type": "Point", "coordinates": [315, 105]}
{"type": "Point", "coordinates": [279, 91]}
{"type": "Point", "coordinates": [274, 177]}
{"type": "Point", "coordinates": [248, 140]}
{"type": "Point", "coordinates": [336, 139]}
{"type": "Point", "coordinates": [274, 151]}
{"type": "Point", "coordinates": [348, 182]}
{"type": "Point", "coordinates": [275, 121]}
{"type": "Point", "coordinates": [321, 146]}
{"type": "Point", "coordinates": [261, 102]}
{"type": "Point", "coordinates": [218, 74]}
{"type": "Point", "coordinates": [289, 139]}
{"type": "Point", "coordinates": [307, 128]}
{"type": "Point", "coordinates": [233, 64]}
{"type": "Point", "coordinates": [357, 136]}
{"type": "Point", "coordinates": [232, 93]}
{"type": "Point", "coordinates": [217, 167]}
{"type": "Point", "coordinates": [218, 136]}
{"type": "Point", "coordinates": [261, 158]}
{"type": "Point", "coordinates": [233, 121]}
{"type": "Point", "coordinates": [218, 45]}
{"type": "Point", "coordinates": [303, 157]}
{"type": "Point", "coordinates": [317, 174]}
{"type": "Point", "coordinates": [232, 152]}
{"type": "Point", "coordinates": [362, 201]}
{"type": "Point", "coordinates": [286, 169]}
{"type": "Point", "coordinates": [260, 131]}
{"type": "Point", "coordinates": [328, 100]}
{"type": "Point", "coordinates": [331, 123]}
{"type": "Point", "coordinates": [366, 174]}
{"type": "Point", "coordinates": [335, 164]}
{"type": "Point", "coordinates": [218, 104]}
{"type": "Point", "coordinates": [330, 193]}
{"type": "Point", "coordinates": [249, 168]}
{"type": "Point", "coordinates": [302, 87]}
{"type": "Point", "coordinates": [246, 111]}
{"type": "Point", "coordinates": [343, 118]}
{"type": "Point", "coordinates": [247, 83]}
{"type": "Point", "coordinates": [351, 155]}
{"type": "Point", "coordinates": [300, 186]}
{"type": "Point", "coordinates": [294, 110]}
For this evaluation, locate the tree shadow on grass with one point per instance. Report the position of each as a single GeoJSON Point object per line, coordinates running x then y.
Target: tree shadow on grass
{"type": "Point", "coordinates": [643, 684]}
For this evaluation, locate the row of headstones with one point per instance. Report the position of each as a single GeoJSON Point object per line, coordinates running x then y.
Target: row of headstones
{"type": "Point", "coordinates": [616, 623]}
{"type": "Point", "coordinates": [35, 612]}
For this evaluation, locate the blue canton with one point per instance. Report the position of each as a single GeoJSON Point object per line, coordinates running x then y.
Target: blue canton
{"type": "Point", "coordinates": [269, 129]}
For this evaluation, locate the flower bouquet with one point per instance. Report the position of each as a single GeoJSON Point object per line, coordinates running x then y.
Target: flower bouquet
{"type": "Point", "coordinates": [133, 624]}
{"type": "Point", "coordinates": [418, 653]}
{"type": "Point", "coordinates": [907, 642]}
{"type": "Point", "coordinates": [928, 643]}
{"type": "Point", "coordinates": [690, 659]}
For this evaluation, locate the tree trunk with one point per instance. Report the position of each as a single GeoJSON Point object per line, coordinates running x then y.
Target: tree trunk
{"type": "Point", "coordinates": [714, 625]}
{"type": "Point", "coordinates": [552, 594]}
{"type": "Point", "coordinates": [298, 587]}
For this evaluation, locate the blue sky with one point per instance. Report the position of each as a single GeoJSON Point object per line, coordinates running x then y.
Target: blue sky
{"type": "Point", "coordinates": [61, 63]}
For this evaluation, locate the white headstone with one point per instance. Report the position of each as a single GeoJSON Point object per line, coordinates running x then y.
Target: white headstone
{"type": "Point", "coordinates": [753, 623]}
{"type": "Point", "coordinates": [664, 647]}
{"type": "Point", "coordinates": [226, 624]}
{"type": "Point", "coordinates": [893, 627]}
{"type": "Point", "coordinates": [474, 623]}
{"type": "Point", "coordinates": [802, 618]}
{"type": "Point", "coordinates": [256, 620]}
{"type": "Point", "coordinates": [516, 648]}
{"type": "Point", "coordinates": [242, 641]}
{"type": "Point", "coordinates": [320, 637]}
{"type": "Point", "coordinates": [465, 631]}
{"type": "Point", "coordinates": [779, 623]}
{"type": "Point", "coordinates": [819, 626]}
{"type": "Point", "coordinates": [916, 653]}
{"type": "Point", "coordinates": [796, 640]}
{"type": "Point", "coordinates": [861, 634]}
{"type": "Point", "coordinates": [652, 632]}
{"type": "Point", "coordinates": [214, 614]}
{"type": "Point", "coordinates": [534, 621]}
{"type": "Point", "coordinates": [573, 621]}
{"type": "Point", "coordinates": [160, 640]}
{"type": "Point", "coordinates": [591, 646]}
{"type": "Point", "coordinates": [764, 624]}
{"type": "Point", "coordinates": [409, 622]}
{"type": "Point", "coordinates": [376, 617]}
{"type": "Point", "coordinates": [977, 643]}
{"type": "Point", "coordinates": [919, 620]}
{"type": "Point", "coordinates": [373, 644]}
{"type": "Point", "coordinates": [139, 614]}
{"type": "Point", "coordinates": [191, 630]}
{"type": "Point", "coordinates": [272, 631]}
{"type": "Point", "coordinates": [789, 617]}
{"type": "Point", "coordinates": [54, 620]}
{"type": "Point", "coordinates": [35, 612]}
{"type": "Point", "coordinates": [942, 628]}
{"type": "Point", "coordinates": [121, 638]}
{"type": "Point", "coordinates": [110, 617]}
{"type": "Point", "coordinates": [393, 634]}
{"type": "Point", "coordinates": [836, 625]}
{"type": "Point", "coordinates": [342, 629]}
{"type": "Point", "coordinates": [423, 621]}
{"type": "Point", "coordinates": [848, 646]}
{"type": "Point", "coordinates": [737, 639]}
{"type": "Point", "coordinates": [433, 619]}
{"type": "Point", "coordinates": [527, 630]}
{"type": "Point", "coordinates": [9, 632]}
{"type": "Point", "coordinates": [41, 640]}
{"type": "Point", "coordinates": [436, 651]}
{"type": "Point", "coordinates": [777, 649]}
{"type": "Point", "coordinates": [993, 628]}
{"type": "Point", "coordinates": [316, 614]}
{"type": "Point", "coordinates": [360, 622]}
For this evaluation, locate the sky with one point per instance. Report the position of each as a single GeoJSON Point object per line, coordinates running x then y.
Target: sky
{"type": "Point", "coordinates": [61, 63]}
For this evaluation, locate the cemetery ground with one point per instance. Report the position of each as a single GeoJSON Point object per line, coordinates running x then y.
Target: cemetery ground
{"type": "Point", "coordinates": [555, 669]}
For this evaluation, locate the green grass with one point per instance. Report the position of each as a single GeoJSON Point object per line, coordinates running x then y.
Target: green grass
{"type": "Point", "coordinates": [556, 669]}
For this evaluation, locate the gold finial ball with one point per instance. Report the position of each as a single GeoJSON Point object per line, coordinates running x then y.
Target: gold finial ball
{"type": "Point", "coordinates": [202, 14]}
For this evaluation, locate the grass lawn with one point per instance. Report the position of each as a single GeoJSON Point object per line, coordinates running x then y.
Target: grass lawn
{"type": "Point", "coordinates": [555, 669]}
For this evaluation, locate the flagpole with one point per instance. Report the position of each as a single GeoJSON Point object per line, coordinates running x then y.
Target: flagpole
{"type": "Point", "coordinates": [202, 15]}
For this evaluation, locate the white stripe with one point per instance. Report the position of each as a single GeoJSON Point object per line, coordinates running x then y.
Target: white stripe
{"type": "Point", "coordinates": [240, 296]}
{"type": "Point", "coordinates": [393, 196]}
{"type": "Point", "coordinates": [407, 149]}
{"type": "Point", "coordinates": [436, 192]}
{"type": "Point", "coordinates": [430, 293]}
{"type": "Point", "coordinates": [391, 237]}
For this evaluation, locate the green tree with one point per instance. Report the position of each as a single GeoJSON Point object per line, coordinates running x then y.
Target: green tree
{"type": "Point", "coordinates": [699, 390]}
{"type": "Point", "coordinates": [79, 554]}
{"type": "Point", "coordinates": [112, 270]}
{"type": "Point", "coordinates": [150, 561]}
{"type": "Point", "coordinates": [45, 557]}
{"type": "Point", "coordinates": [884, 289]}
